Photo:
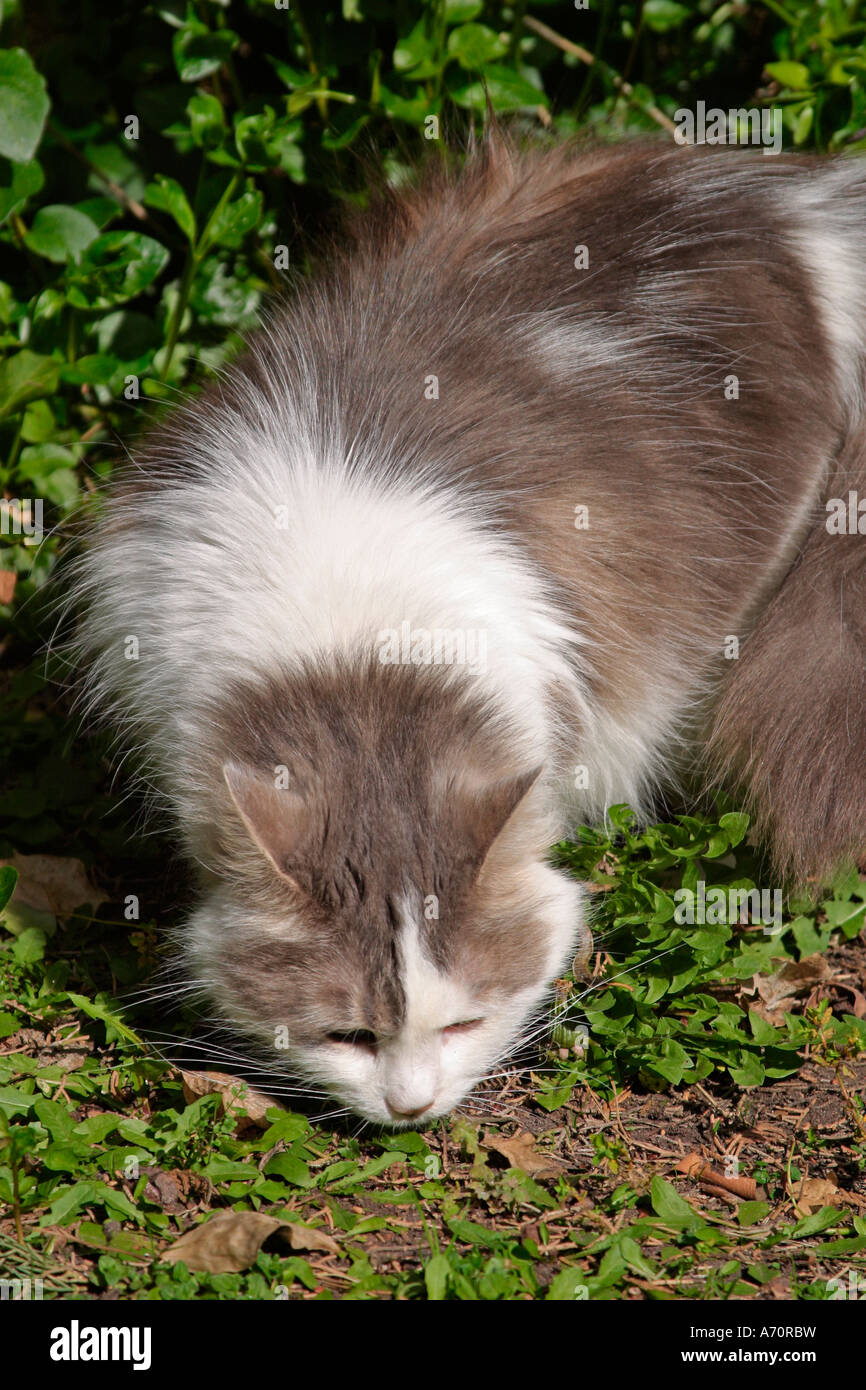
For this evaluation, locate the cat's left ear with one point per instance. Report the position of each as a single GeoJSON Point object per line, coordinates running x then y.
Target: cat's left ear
{"type": "Point", "coordinates": [278, 818]}
{"type": "Point", "coordinates": [480, 806]}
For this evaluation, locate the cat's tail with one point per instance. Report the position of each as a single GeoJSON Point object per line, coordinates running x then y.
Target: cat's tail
{"type": "Point", "coordinates": [790, 729]}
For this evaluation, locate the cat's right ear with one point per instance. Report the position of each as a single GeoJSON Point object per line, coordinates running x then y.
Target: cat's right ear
{"type": "Point", "coordinates": [276, 817]}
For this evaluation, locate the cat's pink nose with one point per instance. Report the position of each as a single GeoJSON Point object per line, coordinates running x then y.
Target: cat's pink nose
{"type": "Point", "coordinates": [402, 1112]}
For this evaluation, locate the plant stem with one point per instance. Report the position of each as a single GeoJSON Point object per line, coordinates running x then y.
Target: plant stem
{"type": "Point", "coordinates": [625, 88]}
{"type": "Point", "coordinates": [15, 447]}
{"type": "Point", "coordinates": [16, 1199]}
{"type": "Point", "coordinates": [178, 312]}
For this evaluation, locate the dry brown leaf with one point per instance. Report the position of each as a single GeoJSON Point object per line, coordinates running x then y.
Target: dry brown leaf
{"type": "Point", "coordinates": [780, 1287]}
{"type": "Point", "coordinates": [795, 977]}
{"type": "Point", "coordinates": [8, 580]}
{"type": "Point", "coordinates": [309, 1238]}
{"type": "Point", "coordinates": [227, 1243]}
{"type": "Point", "coordinates": [230, 1241]}
{"type": "Point", "coordinates": [811, 1194]}
{"type": "Point", "coordinates": [859, 1009]}
{"type": "Point", "coordinates": [64, 1061]}
{"type": "Point", "coordinates": [53, 883]}
{"type": "Point", "coordinates": [237, 1098]}
{"type": "Point", "coordinates": [520, 1151]}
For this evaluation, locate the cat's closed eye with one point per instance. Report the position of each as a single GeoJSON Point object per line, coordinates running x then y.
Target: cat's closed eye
{"type": "Point", "coordinates": [363, 1037]}
{"type": "Point", "coordinates": [356, 1037]}
{"type": "Point", "coordinates": [464, 1027]}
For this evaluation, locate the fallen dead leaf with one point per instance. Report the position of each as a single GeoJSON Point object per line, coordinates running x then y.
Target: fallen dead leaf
{"type": "Point", "coordinates": [520, 1151]}
{"type": "Point", "coordinates": [64, 1061]}
{"type": "Point", "coordinates": [795, 977]}
{"type": "Point", "coordinates": [8, 580]}
{"type": "Point", "coordinates": [780, 1287]}
{"type": "Point", "coordinates": [53, 883]}
{"type": "Point", "coordinates": [230, 1241]}
{"type": "Point", "coordinates": [859, 1008]}
{"type": "Point", "coordinates": [309, 1238]}
{"type": "Point", "coordinates": [237, 1098]}
{"type": "Point", "coordinates": [811, 1194]}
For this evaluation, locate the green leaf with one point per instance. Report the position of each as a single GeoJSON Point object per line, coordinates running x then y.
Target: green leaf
{"type": "Point", "coordinates": [750, 1072]}
{"type": "Point", "coordinates": [751, 1213]}
{"type": "Point", "coordinates": [206, 121]}
{"type": "Point", "coordinates": [474, 45]}
{"type": "Point", "coordinates": [94, 369]}
{"type": "Point", "coordinates": [807, 936]}
{"type": "Point", "coordinates": [167, 195]}
{"type": "Point", "coordinates": [292, 1168]}
{"type": "Point", "coordinates": [851, 1245]}
{"type": "Point", "coordinates": [671, 1061]}
{"type": "Point", "coordinates": [416, 52]}
{"type": "Point", "coordinates": [672, 1208]}
{"type": "Point", "coordinates": [118, 1202]}
{"type": "Point", "coordinates": [735, 824]}
{"type": "Point", "coordinates": [286, 1127]}
{"type": "Point", "coordinates": [845, 914]}
{"type": "Point", "coordinates": [227, 1170]}
{"type": "Point", "coordinates": [24, 105]}
{"type": "Point", "coordinates": [568, 1286]}
{"type": "Point", "coordinates": [794, 75]}
{"type": "Point", "coordinates": [26, 377]}
{"type": "Point", "coordinates": [662, 15]}
{"type": "Point", "coordinates": [71, 1199]}
{"type": "Point", "coordinates": [8, 879]}
{"type": "Point", "coordinates": [230, 221]}
{"type": "Point", "coordinates": [96, 1127]}
{"type": "Point", "coordinates": [508, 91]}
{"type": "Point", "coordinates": [818, 1221]}
{"type": "Point", "coordinates": [61, 1158]}
{"type": "Point", "coordinates": [98, 1009]}
{"type": "Point", "coordinates": [55, 1117]}
{"type": "Point", "coordinates": [14, 1102]}
{"type": "Point", "coordinates": [437, 1274]}
{"type": "Point", "coordinates": [762, 1031]}
{"type": "Point", "coordinates": [60, 233]}
{"type": "Point", "coordinates": [459, 11]}
{"type": "Point", "coordinates": [116, 267]}
{"type": "Point", "coordinates": [18, 182]}
{"type": "Point", "coordinates": [29, 946]}
{"type": "Point", "coordinates": [553, 1099]}
{"type": "Point", "coordinates": [472, 1233]}
{"type": "Point", "coordinates": [635, 1258]}
{"type": "Point", "coordinates": [804, 124]}
{"type": "Point", "coordinates": [718, 845]}
{"type": "Point", "coordinates": [198, 51]}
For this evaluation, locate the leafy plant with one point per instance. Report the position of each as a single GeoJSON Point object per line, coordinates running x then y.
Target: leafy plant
{"type": "Point", "coordinates": [162, 169]}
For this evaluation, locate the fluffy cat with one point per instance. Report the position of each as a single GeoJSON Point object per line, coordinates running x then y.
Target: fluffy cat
{"type": "Point", "coordinates": [452, 558]}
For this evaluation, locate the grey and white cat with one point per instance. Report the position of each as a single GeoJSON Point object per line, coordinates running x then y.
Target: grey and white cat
{"type": "Point", "coordinates": [459, 553]}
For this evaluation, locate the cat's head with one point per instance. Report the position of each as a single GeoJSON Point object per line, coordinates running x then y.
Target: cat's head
{"type": "Point", "coordinates": [389, 922]}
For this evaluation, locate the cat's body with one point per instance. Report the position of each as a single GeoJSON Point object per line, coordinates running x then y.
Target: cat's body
{"type": "Point", "coordinates": [453, 558]}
